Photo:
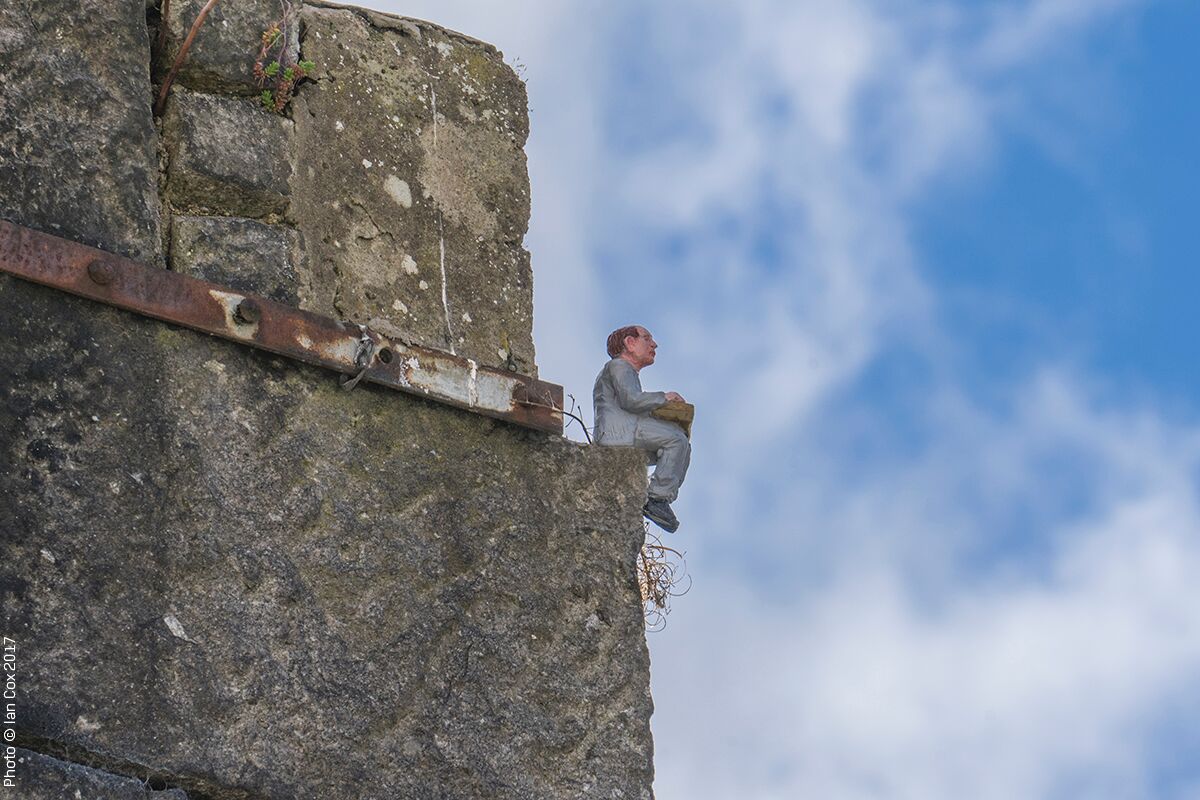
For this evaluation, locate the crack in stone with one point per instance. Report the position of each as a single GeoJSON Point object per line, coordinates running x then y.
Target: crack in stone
{"type": "Point", "coordinates": [338, 289]}
{"type": "Point", "coordinates": [28, 13]}
{"type": "Point", "coordinates": [441, 225]}
{"type": "Point", "coordinates": [353, 203]}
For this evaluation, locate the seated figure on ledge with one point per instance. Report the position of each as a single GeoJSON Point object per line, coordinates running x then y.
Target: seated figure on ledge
{"type": "Point", "coordinates": [624, 416]}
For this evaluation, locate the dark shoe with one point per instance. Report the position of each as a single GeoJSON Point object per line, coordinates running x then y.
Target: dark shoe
{"type": "Point", "coordinates": [659, 512]}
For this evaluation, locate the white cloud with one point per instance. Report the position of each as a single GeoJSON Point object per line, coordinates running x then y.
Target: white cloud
{"type": "Point", "coordinates": [996, 681]}
{"type": "Point", "coordinates": [1022, 31]}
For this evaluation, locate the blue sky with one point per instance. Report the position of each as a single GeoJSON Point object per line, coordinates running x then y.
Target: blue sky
{"type": "Point", "coordinates": [926, 270]}
{"type": "Point", "coordinates": [1106, 283]}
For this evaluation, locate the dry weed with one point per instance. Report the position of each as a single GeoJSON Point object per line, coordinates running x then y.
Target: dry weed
{"type": "Point", "coordinates": [662, 574]}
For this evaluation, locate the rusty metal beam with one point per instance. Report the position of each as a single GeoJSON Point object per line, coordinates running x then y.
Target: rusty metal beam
{"type": "Point", "coordinates": [258, 322]}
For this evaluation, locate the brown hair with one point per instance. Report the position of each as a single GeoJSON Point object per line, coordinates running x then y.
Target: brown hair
{"type": "Point", "coordinates": [616, 339]}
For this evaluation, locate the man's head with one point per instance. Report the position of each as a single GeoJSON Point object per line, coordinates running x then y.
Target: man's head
{"type": "Point", "coordinates": [634, 344]}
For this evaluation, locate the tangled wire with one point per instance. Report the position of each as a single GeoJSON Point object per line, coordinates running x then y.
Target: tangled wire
{"type": "Point", "coordinates": [662, 574]}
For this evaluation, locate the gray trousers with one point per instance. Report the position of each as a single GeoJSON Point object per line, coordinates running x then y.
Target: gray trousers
{"type": "Point", "coordinates": [669, 450]}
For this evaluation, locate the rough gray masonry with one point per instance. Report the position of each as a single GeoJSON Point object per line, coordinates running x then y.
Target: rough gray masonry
{"type": "Point", "coordinates": [226, 155]}
{"type": "Point", "coordinates": [244, 254]}
{"type": "Point", "coordinates": [228, 578]}
{"type": "Point", "coordinates": [61, 118]}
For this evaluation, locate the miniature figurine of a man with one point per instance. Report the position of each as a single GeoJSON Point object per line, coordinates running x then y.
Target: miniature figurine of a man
{"type": "Point", "coordinates": [623, 417]}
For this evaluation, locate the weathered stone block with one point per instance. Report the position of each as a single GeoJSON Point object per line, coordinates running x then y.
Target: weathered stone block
{"type": "Point", "coordinates": [40, 777]}
{"type": "Point", "coordinates": [241, 253]}
{"type": "Point", "coordinates": [222, 55]}
{"type": "Point", "coordinates": [227, 155]}
{"type": "Point", "coordinates": [411, 188]}
{"type": "Point", "coordinates": [77, 142]}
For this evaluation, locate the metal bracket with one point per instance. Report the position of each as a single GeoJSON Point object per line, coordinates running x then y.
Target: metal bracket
{"type": "Point", "coordinates": [258, 322]}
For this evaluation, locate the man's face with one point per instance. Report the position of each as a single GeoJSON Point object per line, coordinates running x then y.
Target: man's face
{"type": "Point", "coordinates": [641, 350]}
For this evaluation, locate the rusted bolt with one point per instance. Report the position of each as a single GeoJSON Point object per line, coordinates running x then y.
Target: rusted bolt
{"type": "Point", "coordinates": [101, 272]}
{"type": "Point", "coordinates": [385, 355]}
{"type": "Point", "coordinates": [248, 312]}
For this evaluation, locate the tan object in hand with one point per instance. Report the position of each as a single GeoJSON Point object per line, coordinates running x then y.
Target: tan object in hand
{"type": "Point", "coordinates": [678, 412]}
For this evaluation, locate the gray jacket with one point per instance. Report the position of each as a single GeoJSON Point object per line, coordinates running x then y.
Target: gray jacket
{"type": "Point", "coordinates": [620, 402]}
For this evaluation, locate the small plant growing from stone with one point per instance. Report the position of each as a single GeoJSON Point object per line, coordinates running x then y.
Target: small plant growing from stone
{"type": "Point", "coordinates": [274, 70]}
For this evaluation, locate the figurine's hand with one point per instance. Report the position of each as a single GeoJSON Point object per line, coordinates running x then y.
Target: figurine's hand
{"type": "Point", "coordinates": [675, 396]}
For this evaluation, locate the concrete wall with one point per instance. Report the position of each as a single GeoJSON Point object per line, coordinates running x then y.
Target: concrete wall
{"type": "Point", "coordinates": [401, 170]}
{"type": "Point", "coordinates": [226, 577]}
